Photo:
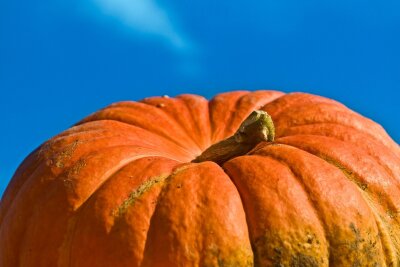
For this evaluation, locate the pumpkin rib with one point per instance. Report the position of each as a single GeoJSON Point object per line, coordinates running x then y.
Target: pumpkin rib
{"type": "Point", "coordinates": [234, 113]}
{"type": "Point", "coordinates": [220, 108]}
{"type": "Point", "coordinates": [292, 100]}
{"type": "Point", "coordinates": [59, 139]}
{"type": "Point", "coordinates": [329, 113]}
{"type": "Point", "coordinates": [280, 106]}
{"type": "Point", "coordinates": [244, 105]}
{"type": "Point", "coordinates": [79, 134]}
{"type": "Point", "coordinates": [23, 233]}
{"type": "Point", "coordinates": [27, 167]}
{"type": "Point", "coordinates": [298, 102]}
{"type": "Point", "coordinates": [344, 125]}
{"type": "Point", "coordinates": [191, 120]}
{"type": "Point", "coordinates": [385, 158]}
{"type": "Point", "coordinates": [249, 197]}
{"type": "Point", "coordinates": [6, 218]}
{"type": "Point", "coordinates": [109, 115]}
{"type": "Point", "coordinates": [381, 226]}
{"type": "Point", "coordinates": [108, 132]}
{"type": "Point", "coordinates": [312, 145]}
{"type": "Point", "coordinates": [162, 138]}
{"type": "Point", "coordinates": [149, 143]}
{"type": "Point", "coordinates": [317, 211]}
{"type": "Point", "coordinates": [359, 139]}
{"type": "Point", "coordinates": [119, 106]}
{"type": "Point", "coordinates": [331, 238]}
{"type": "Point", "coordinates": [173, 118]}
{"type": "Point", "coordinates": [199, 128]}
{"type": "Point", "coordinates": [77, 216]}
{"type": "Point", "coordinates": [126, 162]}
{"type": "Point", "coordinates": [187, 203]}
{"type": "Point", "coordinates": [65, 171]}
{"type": "Point", "coordinates": [77, 209]}
{"type": "Point", "coordinates": [387, 242]}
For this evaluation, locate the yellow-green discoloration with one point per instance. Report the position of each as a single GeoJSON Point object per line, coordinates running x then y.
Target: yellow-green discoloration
{"type": "Point", "coordinates": [142, 189]}
{"type": "Point", "coordinates": [349, 174]}
{"type": "Point", "coordinates": [65, 154]}
{"type": "Point", "coordinates": [241, 256]}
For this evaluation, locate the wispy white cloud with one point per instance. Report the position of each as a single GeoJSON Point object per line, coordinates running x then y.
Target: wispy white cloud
{"type": "Point", "coordinates": [146, 17]}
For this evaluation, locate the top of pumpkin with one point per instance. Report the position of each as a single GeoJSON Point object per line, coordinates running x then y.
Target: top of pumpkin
{"type": "Point", "coordinates": [257, 127]}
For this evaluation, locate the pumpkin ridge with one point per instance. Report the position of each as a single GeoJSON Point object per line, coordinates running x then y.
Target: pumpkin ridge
{"type": "Point", "coordinates": [217, 133]}
{"type": "Point", "coordinates": [381, 225]}
{"type": "Point", "coordinates": [344, 125]}
{"type": "Point", "coordinates": [116, 170]}
{"type": "Point", "coordinates": [26, 166]}
{"type": "Point", "coordinates": [180, 98]}
{"type": "Point", "coordinates": [310, 100]}
{"type": "Point", "coordinates": [183, 129]}
{"type": "Point", "coordinates": [312, 203]}
{"type": "Point", "coordinates": [377, 158]}
{"type": "Point", "coordinates": [136, 194]}
{"type": "Point", "coordinates": [92, 118]}
{"type": "Point", "coordinates": [213, 252]}
{"type": "Point", "coordinates": [367, 246]}
{"type": "Point", "coordinates": [147, 145]}
{"type": "Point", "coordinates": [298, 258]}
{"type": "Point", "coordinates": [365, 135]}
{"type": "Point", "coordinates": [253, 249]}
{"type": "Point", "coordinates": [63, 150]}
{"type": "Point", "coordinates": [334, 105]}
{"type": "Point", "coordinates": [182, 148]}
{"type": "Point", "coordinates": [258, 104]}
{"type": "Point", "coordinates": [110, 123]}
{"type": "Point", "coordinates": [75, 217]}
{"type": "Point", "coordinates": [233, 111]}
{"type": "Point", "coordinates": [350, 173]}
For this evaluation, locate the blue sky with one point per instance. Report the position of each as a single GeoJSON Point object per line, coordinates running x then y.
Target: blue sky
{"type": "Point", "coordinates": [61, 60]}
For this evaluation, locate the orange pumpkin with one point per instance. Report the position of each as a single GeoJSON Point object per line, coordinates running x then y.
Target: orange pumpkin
{"type": "Point", "coordinates": [141, 184]}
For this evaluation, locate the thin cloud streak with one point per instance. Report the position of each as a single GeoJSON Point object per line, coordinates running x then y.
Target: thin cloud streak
{"type": "Point", "coordinates": [145, 17]}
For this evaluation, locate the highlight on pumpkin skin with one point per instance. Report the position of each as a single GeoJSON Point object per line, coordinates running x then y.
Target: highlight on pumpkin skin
{"type": "Point", "coordinates": [257, 127]}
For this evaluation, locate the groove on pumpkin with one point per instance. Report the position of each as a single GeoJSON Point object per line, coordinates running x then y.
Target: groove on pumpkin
{"type": "Point", "coordinates": [313, 204]}
{"type": "Point", "coordinates": [136, 194]}
{"type": "Point", "coordinates": [386, 238]}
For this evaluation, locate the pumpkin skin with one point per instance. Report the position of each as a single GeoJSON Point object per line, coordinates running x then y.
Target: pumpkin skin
{"type": "Point", "coordinates": [119, 188]}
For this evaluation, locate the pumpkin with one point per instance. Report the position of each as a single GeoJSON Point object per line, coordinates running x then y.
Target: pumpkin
{"type": "Point", "coordinates": [246, 179]}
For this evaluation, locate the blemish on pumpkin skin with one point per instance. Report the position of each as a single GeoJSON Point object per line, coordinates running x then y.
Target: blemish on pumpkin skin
{"type": "Point", "coordinates": [392, 214]}
{"type": "Point", "coordinates": [349, 174]}
{"type": "Point", "coordinates": [68, 183]}
{"type": "Point", "coordinates": [301, 251]}
{"type": "Point", "coordinates": [302, 260]}
{"type": "Point", "coordinates": [64, 155]}
{"type": "Point", "coordinates": [135, 195]}
{"type": "Point", "coordinates": [240, 256]}
{"type": "Point", "coordinates": [362, 248]}
{"type": "Point", "coordinates": [76, 168]}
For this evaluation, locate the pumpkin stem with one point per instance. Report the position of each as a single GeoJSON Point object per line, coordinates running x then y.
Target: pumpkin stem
{"type": "Point", "coordinates": [256, 128]}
